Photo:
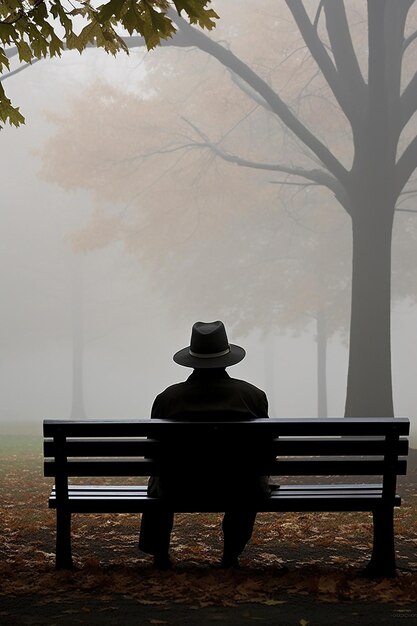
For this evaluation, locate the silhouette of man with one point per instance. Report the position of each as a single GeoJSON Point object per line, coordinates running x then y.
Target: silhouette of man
{"type": "Point", "coordinates": [208, 394]}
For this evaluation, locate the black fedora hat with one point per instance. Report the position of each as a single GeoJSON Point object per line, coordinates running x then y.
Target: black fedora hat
{"type": "Point", "coordinates": [209, 347]}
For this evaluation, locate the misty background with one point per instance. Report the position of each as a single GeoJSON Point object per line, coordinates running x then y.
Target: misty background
{"type": "Point", "coordinates": [130, 329]}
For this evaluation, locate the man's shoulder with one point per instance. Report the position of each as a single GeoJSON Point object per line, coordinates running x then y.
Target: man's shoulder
{"type": "Point", "coordinates": [165, 401]}
{"type": "Point", "coordinates": [196, 395]}
{"type": "Point", "coordinates": [173, 390]}
{"type": "Point", "coordinates": [178, 389]}
{"type": "Point", "coordinates": [251, 397]}
{"type": "Point", "coordinates": [245, 385]}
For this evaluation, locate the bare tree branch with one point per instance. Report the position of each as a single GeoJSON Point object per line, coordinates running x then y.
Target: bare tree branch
{"type": "Point", "coordinates": [131, 42]}
{"type": "Point", "coordinates": [294, 184]}
{"type": "Point", "coordinates": [405, 210]}
{"type": "Point", "coordinates": [409, 41]}
{"type": "Point", "coordinates": [386, 25]}
{"type": "Point", "coordinates": [406, 5]}
{"type": "Point", "coordinates": [10, 52]}
{"type": "Point", "coordinates": [322, 58]}
{"type": "Point", "coordinates": [317, 176]}
{"type": "Point", "coordinates": [278, 106]}
{"type": "Point", "coordinates": [236, 124]}
{"type": "Point", "coordinates": [251, 93]}
{"type": "Point", "coordinates": [405, 197]}
{"type": "Point", "coordinates": [408, 102]}
{"type": "Point", "coordinates": [392, 40]}
{"type": "Point", "coordinates": [318, 13]}
{"type": "Point", "coordinates": [406, 165]}
{"type": "Point", "coordinates": [17, 70]}
{"type": "Point", "coordinates": [343, 51]}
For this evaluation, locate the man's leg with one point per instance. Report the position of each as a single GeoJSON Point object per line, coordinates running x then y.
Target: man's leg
{"type": "Point", "coordinates": [237, 530]}
{"type": "Point", "coordinates": [155, 535]}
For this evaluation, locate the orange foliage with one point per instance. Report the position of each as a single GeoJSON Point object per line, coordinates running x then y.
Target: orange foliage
{"type": "Point", "coordinates": [182, 211]}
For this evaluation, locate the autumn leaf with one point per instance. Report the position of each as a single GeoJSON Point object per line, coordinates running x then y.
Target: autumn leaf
{"type": "Point", "coordinates": [274, 602]}
{"type": "Point", "coordinates": [110, 567]}
{"type": "Point", "coordinates": [327, 584]}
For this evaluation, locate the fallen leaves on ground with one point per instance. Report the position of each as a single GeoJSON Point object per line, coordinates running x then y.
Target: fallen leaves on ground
{"type": "Point", "coordinates": [323, 552]}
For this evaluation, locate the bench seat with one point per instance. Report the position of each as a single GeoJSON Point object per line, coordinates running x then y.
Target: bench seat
{"type": "Point", "coordinates": [306, 497]}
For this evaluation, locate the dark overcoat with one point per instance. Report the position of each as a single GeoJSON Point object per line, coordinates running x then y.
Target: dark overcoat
{"type": "Point", "coordinates": [209, 395]}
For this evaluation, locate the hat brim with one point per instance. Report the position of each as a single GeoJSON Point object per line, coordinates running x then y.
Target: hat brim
{"type": "Point", "coordinates": [183, 357]}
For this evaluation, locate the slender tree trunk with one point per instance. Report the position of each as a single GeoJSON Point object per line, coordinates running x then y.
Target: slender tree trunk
{"type": "Point", "coordinates": [369, 387]}
{"type": "Point", "coordinates": [77, 398]}
{"type": "Point", "coordinates": [321, 365]}
{"type": "Point", "coordinates": [270, 378]}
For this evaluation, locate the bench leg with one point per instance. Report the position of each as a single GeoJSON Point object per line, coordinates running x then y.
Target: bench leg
{"type": "Point", "coordinates": [63, 540]}
{"type": "Point", "coordinates": [382, 563]}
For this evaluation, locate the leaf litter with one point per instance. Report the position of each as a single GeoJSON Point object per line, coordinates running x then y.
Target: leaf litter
{"type": "Point", "coordinates": [323, 552]}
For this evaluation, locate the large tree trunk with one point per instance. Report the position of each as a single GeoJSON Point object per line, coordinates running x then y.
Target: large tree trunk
{"type": "Point", "coordinates": [369, 387]}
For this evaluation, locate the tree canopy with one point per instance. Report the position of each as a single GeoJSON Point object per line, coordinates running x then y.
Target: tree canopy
{"type": "Point", "coordinates": [37, 29]}
{"type": "Point", "coordinates": [360, 61]}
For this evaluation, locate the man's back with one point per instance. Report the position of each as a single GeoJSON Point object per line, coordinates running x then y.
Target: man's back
{"type": "Point", "coordinates": [211, 394]}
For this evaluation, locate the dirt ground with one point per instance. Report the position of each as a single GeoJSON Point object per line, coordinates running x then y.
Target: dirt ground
{"type": "Point", "coordinates": [298, 612]}
{"type": "Point", "coordinates": [115, 584]}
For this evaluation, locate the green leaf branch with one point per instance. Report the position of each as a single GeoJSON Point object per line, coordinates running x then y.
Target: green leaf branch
{"type": "Point", "coordinates": [40, 29]}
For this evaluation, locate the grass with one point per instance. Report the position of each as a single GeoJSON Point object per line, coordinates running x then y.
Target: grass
{"type": "Point", "coordinates": [24, 446]}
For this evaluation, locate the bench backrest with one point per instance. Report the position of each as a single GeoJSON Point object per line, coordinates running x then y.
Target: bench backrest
{"type": "Point", "coordinates": [276, 447]}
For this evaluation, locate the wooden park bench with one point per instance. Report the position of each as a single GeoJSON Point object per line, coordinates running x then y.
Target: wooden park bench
{"type": "Point", "coordinates": [349, 452]}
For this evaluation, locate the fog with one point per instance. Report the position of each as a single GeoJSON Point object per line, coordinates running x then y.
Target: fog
{"type": "Point", "coordinates": [130, 327]}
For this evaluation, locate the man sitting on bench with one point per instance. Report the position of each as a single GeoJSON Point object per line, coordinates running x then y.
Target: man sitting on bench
{"type": "Point", "coordinates": [208, 394]}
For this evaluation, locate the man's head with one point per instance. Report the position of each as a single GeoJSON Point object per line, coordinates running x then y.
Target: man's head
{"type": "Point", "coordinates": [209, 348]}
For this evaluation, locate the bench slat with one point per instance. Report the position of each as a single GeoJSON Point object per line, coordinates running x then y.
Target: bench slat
{"type": "Point", "coordinates": [297, 486]}
{"type": "Point", "coordinates": [285, 498]}
{"type": "Point", "coordinates": [282, 467]}
{"type": "Point", "coordinates": [272, 427]}
{"type": "Point", "coordinates": [338, 447]}
{"type": "Point", "coordinates": [129, 490]}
